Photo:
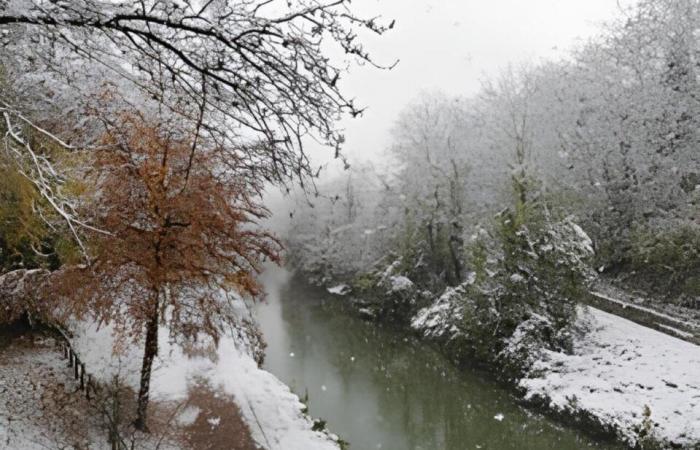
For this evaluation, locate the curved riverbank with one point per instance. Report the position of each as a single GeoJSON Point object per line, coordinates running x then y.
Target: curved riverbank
{"type": "Point", "coordinates": [383, 387]}
{"type": "Point", "coordinates": [598, 388]}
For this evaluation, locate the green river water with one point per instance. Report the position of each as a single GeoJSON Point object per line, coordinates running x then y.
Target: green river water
{"type": "Point", "coordinates": [379, 388]}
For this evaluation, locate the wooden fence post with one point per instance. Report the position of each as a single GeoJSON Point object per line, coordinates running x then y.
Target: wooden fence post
{"type": "Point", "coordinates": [82, 376]}
{"type": "Point", "coordinates": [79, 372]}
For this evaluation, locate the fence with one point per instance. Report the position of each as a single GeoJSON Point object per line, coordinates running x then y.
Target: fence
{"type": "Point", "coordinates": [79, 371]}
{"type": "Point", "coordinates": [88, 384]}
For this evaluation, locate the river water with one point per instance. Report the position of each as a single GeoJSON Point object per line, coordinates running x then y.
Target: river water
{"type": "Point", "coordinates": [380, 388]}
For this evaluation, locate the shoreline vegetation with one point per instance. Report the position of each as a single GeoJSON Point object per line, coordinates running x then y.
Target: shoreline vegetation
{"type": "Point", "coordinates": [636, 429]}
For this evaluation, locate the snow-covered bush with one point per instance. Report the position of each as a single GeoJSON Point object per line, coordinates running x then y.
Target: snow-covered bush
{"type": "Point", "coordinates": [529, 271]}
{"type": "Point", "coordinates": [525, 346]}
{"type": "Point", "coordinates": [387, 294]}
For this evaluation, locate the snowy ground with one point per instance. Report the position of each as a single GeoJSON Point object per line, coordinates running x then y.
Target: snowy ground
{"type": "Point", "coordinates": [670, 318]}
{"type": "Point", "coordinates": [40, 408]}
{"type": "Point", "coordinates": [272, 412]}
{"type": "Point", "coordinates": [617, 370]}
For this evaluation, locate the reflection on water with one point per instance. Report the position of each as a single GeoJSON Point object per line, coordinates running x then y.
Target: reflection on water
{"type": "Point", "coordinates": [382, 389]}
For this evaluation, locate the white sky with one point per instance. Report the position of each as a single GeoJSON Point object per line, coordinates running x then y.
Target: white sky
{"type": "Point", "coordinates": [451, 45]}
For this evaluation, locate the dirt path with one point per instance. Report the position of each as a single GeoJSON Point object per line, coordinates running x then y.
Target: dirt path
{"type": "Point", "coordinates": [211, 421]}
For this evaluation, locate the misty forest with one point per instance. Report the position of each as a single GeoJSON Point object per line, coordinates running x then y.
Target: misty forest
{"type": "Point", "coordinates": [309, 225]}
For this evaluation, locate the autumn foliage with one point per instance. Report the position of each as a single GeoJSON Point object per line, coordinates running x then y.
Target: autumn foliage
{"type": "Point", "coordinates": [180, 227]}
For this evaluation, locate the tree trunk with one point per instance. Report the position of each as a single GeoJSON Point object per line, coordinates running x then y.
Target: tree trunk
{"type": "Point", "coordinates": [455, 246]}
{"type": "Point", "coordinates": [149, 353]}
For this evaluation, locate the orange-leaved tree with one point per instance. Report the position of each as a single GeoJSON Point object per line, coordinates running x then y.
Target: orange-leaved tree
{"type": "Point", "coordinates": [182, 227]}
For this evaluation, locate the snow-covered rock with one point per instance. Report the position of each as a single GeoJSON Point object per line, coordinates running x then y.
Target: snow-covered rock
{"type": "Point", "coordinates": [399, 283]}
{"type": "Point", "coordinates": [438, 320]}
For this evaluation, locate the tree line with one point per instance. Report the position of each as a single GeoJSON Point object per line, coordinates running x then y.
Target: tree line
{"type": "Point", "coordinates": [496, 195]}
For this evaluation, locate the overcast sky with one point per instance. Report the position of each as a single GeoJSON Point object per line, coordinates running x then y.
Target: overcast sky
{"type": "Point", "coordinates": [451, 45]}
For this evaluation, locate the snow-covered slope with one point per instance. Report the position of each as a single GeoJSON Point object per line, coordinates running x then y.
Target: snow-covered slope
{"type": "Point", "coordinates": [618, 370]}
{"type": "Point", "coordinates": [273, 413]}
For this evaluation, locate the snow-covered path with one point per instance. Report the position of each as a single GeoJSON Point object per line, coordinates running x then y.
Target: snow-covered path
{"type": "Point", "coordinates": [274, 415]}
{"type": "Point", "coordinates": [617, 370]}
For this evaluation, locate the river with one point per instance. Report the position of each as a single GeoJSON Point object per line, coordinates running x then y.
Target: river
{"type": "Point", "coordinates": [380, 388]}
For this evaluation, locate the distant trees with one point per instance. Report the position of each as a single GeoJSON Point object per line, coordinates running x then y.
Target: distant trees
{"type": "Point", "coordinates": [634, 137]}
{"type": "Point", "coordinates": [429, 146]}
{"type": "Point", "coordinates": [339, 232]}
{"type": "Point", "coordinates": [606, 139]}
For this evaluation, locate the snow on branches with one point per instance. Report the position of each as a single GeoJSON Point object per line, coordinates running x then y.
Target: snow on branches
{"type": "Point", "coordinates": [251, 76]}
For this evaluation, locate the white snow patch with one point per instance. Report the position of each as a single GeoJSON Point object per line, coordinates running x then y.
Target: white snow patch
{"type": "Point", "coordinates": [188, 416]}
{"type": "Point", "coordinates": [214, 421]}
{"type": "Point", "coordinates": [341, 289]}
{"type": "Point", "coordinates": [583, 236]}
{"type": "Point", "coordinates": [400, 283]}
{"type": "Point", "coordinates": [517, 278]}
{"type": "Point", "coordinates": [616, 370]}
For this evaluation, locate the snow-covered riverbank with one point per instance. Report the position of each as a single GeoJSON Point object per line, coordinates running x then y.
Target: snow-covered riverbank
{"type": "Point", "coordinates": [626, 377]}
{"type": "Point", "coordinates": [618, 372]}
{"type": "Point", "coordinates": [273, 413]}
{"type": "Point", "coordinates": [275, 416]}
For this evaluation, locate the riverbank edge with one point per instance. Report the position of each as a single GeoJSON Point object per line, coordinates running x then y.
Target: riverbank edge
{"type": "Point", "coordinates": [577, 418]}
{"type": "Point", "coordinates": [62, 333]}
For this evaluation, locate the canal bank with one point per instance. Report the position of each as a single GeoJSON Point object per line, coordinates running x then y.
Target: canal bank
{"type": "Point", "coordinates": [383, 388]}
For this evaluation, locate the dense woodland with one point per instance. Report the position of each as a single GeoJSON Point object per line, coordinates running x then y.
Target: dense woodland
{"type": "Point", "coordinates": [510, 203]}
